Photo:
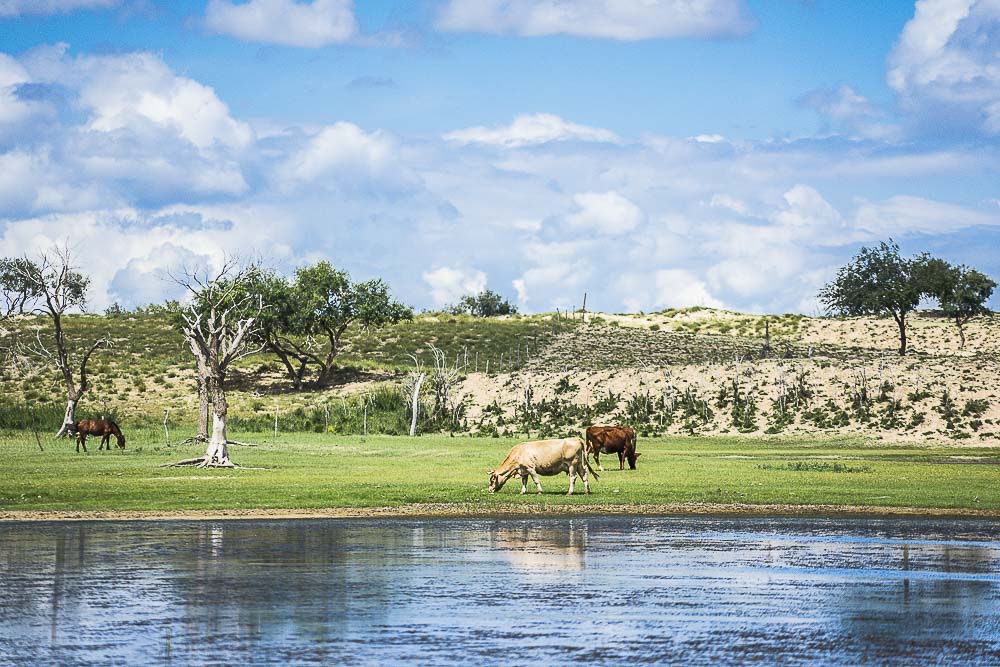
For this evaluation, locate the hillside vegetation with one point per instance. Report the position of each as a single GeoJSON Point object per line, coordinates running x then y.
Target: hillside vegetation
{"type": "Point", "coordinates": [691, 371]}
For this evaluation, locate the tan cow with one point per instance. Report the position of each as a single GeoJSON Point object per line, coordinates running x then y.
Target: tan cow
{"type": "Point", "coordinates": [543, 457]}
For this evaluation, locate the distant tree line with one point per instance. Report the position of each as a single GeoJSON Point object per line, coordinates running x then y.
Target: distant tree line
{"type": "Point", "coordinates": [880, 282]}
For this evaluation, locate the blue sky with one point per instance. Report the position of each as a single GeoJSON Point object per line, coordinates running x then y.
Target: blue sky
{"type": "Point", "coordinates": [652, 153]}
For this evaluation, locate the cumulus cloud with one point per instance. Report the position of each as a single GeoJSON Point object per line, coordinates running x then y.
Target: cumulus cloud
{"type": "Point", "coordinates": [805, 207]}
{"type": "Point", "coordinates": [11, 8]}
{"type": "Point", "coordinates": [128, 92]}
{"type": "Point", "coordinates": [144, 280]}
{"type": "Point", "coordinates": [604, 213]}
{"type": "Point", "coordinates": [946, 62]}
{"type": "Point", "coordinates": [449, 284]}
{"type": "Point", "coordinates": [345, 156]}
{"type": "Point", "coordinates": [627, 20]}
{"type": "Point", "coordinates": [304, 24]}
{"type": "Point", "coordinates": [533, 129]}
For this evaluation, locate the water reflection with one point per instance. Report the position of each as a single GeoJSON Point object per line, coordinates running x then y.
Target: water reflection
{"type": "Point", "coordinates": [683, 591]}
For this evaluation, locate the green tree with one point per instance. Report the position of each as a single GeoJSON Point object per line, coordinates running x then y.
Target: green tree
{"type": "Point", "coordinates": [962, 294]}
{"type": "Point", "coordinates": [306, 318]}
{"type": "Point", "coordinates": [485, 304]}
{"type": "Point", "coordinates": [18, 292]}
{"type": "Point", "coordinates": [52, 286]}
{"type": "Point", "coordinates": [876, 282]}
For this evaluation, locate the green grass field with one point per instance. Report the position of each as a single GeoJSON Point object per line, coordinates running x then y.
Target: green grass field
{"type": "Point", "coordinates": [313, 471]}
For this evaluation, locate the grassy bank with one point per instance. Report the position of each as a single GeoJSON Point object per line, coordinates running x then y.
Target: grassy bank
{"type": "Point", "coordinates": [314, 471]}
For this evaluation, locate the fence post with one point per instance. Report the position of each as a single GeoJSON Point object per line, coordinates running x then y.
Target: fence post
{"type": "Point", "coordinates": [166, 430]}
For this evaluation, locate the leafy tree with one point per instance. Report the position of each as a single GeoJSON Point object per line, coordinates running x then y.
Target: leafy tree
{"type": "Point", "coordinates": [51, 286]}
{"type": "Point", "coordinates": [485, 304]}
{"type": "Point", "coordinates": [961, 292]}
{"type": "Point", "coordinates": [18, 292]}
{"type": "Point", "coordinates": [876, 282]}
{"type": "Point", "coordinates": [306, 318]}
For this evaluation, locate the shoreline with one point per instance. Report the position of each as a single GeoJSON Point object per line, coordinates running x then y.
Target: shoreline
{"type": "Point", "coordinates": [463, 511]}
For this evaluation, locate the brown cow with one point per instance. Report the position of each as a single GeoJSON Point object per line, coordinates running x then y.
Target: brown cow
{"type": "Point", "coordinates": [612, 440]}
{"type": "Point", "coordinates": [543, 457]}
{"type": "Point", "coordinates": [102, 427]}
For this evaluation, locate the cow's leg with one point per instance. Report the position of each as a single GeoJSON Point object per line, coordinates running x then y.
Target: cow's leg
{"type": "Point", "coordinates": [524, 482]}
{"type": "Point", "coordinates": [572, 478]}
{"type": "Point", "coordinates": [534, 477]}
{"type": "Point", "coordinates": [621, 460]}
{"type": "Point", "coordinates": [597, 459]}
{"type": "Point", "coordinates": [104, 441]}
{"type": "Point", "coordinates": [583, 473]}
{"type": "Point", "coordinates": [81, 440]}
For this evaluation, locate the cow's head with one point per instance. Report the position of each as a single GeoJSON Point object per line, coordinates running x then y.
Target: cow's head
{"type": "Point", "coordinates": [495, 482]}
{"type": "Point", "coordinates": [631, 459]}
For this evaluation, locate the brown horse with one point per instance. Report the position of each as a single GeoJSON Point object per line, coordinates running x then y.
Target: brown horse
{"type": "Point", "coordinates": [102, 427]}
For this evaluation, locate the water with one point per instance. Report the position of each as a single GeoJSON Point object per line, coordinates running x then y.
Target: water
{"type": "Point", "coordinates": [542, 591]}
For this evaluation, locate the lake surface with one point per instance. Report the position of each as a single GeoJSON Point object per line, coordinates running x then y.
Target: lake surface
{"type": "Point", "coordinates": [602, 590]}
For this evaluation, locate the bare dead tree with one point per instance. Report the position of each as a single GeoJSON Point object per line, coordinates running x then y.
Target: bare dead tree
{"type": "Point", "coordinates": [219, 324]}
{"type": "Point", "coordinates": [443, 382]}
{"type": "Point", "coordinates": [56, 287]}
{"type": "Point", "coordinates": [411, 389]}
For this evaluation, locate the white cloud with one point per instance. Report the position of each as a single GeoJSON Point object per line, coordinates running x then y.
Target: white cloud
{"type": "Point", "coordinates": [849, 112]}
{"type": "Point", "coordinates": [727, 202]}
{"type": "Point", "coordinates": [304, 24]}
{"type": "Point", "coordinates": [805, 207]}
{"type": "Point", "coordinates": [907, 215]}
{"type": "Point", "coordinates": [23, 7]}
{"type": "Point", "coordinates": [946, 62]}
{"type": "Point", "coordinates": [449, 284]}
{"type": "Point", "coordinates": [146, 279]}
{"type": "Point", "coordinates": [347, 157]}
{"type": "Point", "coordinates": [125, 92]}
{"type": "Point", "coordinates": [709, 138]}
{"type": "Point", "coordinates": [622, 20]}
{"type": "Point", "coordinates": [533, 129]}
{"type": "Point", "coordinates": [605, 213]}
{"type": "Point", "coordinates": [663, 288]}
{"type": "Point", "coordinates": [14, 110]}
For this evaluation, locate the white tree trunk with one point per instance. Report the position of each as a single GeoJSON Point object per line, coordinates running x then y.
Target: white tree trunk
{"type": "Point", "coordinates": [416, 404]}
{"type": "Point", "coordinates": [69, 421]}
{"type": "Point", "coordinates": [217, 453]}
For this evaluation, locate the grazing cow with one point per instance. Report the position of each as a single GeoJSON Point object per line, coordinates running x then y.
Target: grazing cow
{"type": "Point", "coordinates": [543, 457]}
{"type": "Point", "coordinates": [612, 440]}
{"type": "Point", "coordinates": [102, 427]}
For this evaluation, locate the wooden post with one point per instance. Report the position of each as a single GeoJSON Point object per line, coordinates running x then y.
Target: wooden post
{"type": "Point", "coordinates": [166, 430]}
{"type": "Point", "coordinates": [583, 311]}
